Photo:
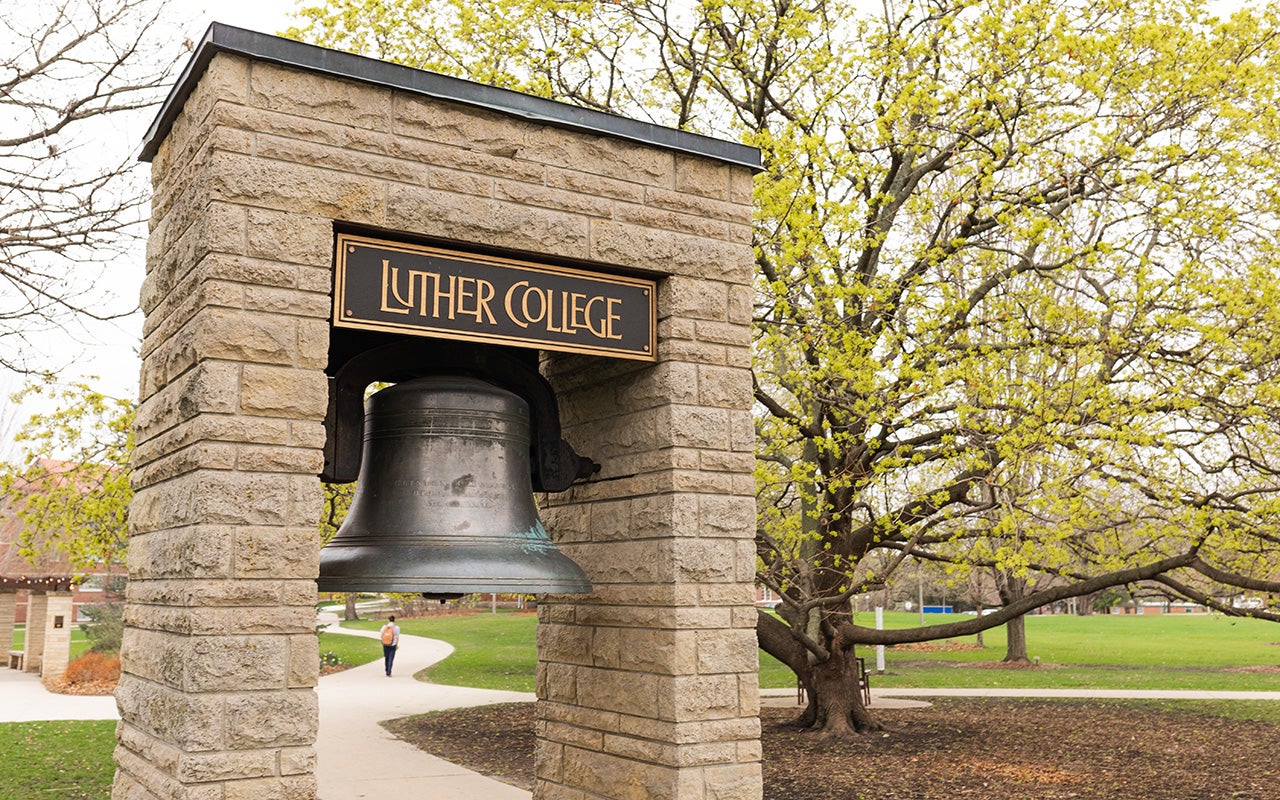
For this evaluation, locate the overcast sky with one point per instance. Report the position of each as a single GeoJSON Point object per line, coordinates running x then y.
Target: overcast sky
{"type": "Point", "coordinates": [105, 354]}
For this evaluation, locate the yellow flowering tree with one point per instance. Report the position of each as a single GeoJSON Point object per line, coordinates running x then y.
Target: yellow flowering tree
{"type": "Point", "coordinates": [1016, 306]}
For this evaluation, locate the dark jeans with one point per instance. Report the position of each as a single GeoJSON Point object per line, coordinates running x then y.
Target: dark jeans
{"type": "Point", "coordinates": [388, 655]}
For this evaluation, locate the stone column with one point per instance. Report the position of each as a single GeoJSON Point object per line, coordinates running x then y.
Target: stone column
{"type": "Point", "coordinates": [648, 688]}
{"type": "Point", "coordinates": [37, 610]}
{"type": "Point", "coordinates": [220, 656]}
{"type": "Point", "coordinates": [8, 614]}
{"type": "Point", "coordinates": [57, 625]}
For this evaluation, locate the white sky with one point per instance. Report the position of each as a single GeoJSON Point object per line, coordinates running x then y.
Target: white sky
{"type": "Point", "coordinates": [105, 354]}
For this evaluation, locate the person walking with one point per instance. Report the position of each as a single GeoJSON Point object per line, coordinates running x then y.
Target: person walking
{"type": "Point", "coordinates": [390, 641]}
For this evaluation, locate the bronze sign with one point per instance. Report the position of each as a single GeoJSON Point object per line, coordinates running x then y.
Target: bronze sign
{"type": "Point", "coordinates": [429, 291]}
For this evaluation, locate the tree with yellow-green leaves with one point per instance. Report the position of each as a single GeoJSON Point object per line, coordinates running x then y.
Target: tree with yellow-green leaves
{"type": "Point", "coordinates": [1017, 306]}
{"type": "Point", "coordinates": [70, 489]}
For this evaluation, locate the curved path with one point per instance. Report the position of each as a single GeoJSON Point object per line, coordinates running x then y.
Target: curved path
{"type": "Point", "coordinates": [357, 757]}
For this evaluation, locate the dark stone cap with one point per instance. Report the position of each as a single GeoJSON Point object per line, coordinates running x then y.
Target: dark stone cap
{"type": "Point", "coordinates": [263, 47]}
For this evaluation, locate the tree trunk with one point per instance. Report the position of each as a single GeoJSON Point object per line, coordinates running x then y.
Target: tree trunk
{"type": "Point", "coordinates": [1016, 651]}
{"type": "Point", "coordinates": [349, 611]}
{"type": "Point", "coordinates": [835, 699]}
{"type": "Point", "coordinates": [835, 708]}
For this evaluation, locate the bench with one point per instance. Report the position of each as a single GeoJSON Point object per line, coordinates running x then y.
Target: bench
{"type": "Point", "coordinates": [17, 659]}
{"type": "Point", "coordinates": [864, 684]}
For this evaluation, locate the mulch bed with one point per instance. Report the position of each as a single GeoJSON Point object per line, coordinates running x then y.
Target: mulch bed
{"type": "Point", "coordinates": [983, 749]}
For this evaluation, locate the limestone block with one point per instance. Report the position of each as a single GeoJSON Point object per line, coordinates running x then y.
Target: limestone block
{"type": "Point", "coordinates": [339, 158]}
{"type": "Point", "coordinates": [285, 787]}
{"type": "Point", "coordinates": [662, 219]}
{"type": "Point", "coordinates": [700, 697]}
{"type": "Point", "coordinates": [252, 458]}
{"type": "Point", "coordinates": [271, 719]}
{"type": "Point", "coordinates": [209, 496]}
{"type": "Point", "coordinates": [313, 95]}
{"type": "Point", "coordinates": [242, 336]}
{"type": "Point", "coordinates": [533, 194]}
{"type": "Point", "coordinates": [235, 663]}
{"type": "Point", "coordinates": [459, 182]}
{"type": "Point", "coordinates": [724, 387]}
{"type": "Point", "coordinates": [138, 779]}
{"type": "Point", "coordinates": [548, 758]}
{"type": "Point", "coordinates": [727, 516]}
{"type": "Point", "coordinates": [497, 162]}
{"type": "Point", "coordinates": [657, 516]}
{"type": "Point", "coordinates": [694, 426]}
{"type": "Point", "coordinates": [304, 660]}
{"type": "Point", "coordinates": [571, 644]}
{"type": "Point", "coordinates": [590, 184]}
{"type": "Point", "coordinates": [741, 185]}
{"type": "Point", "coordinates": [562, 733]}
{"type": "Point", "coordinates": [704, 560]}
{"type": "Point", "coordinates": [733, 650]}
{"type": "Point", "coordinates": [201, 767]}
{"type": "Point", "coordinates": [460, 126]}
{"type": "Point", "coordinates": [697, 205]}
{"type": "Point", "coordinates": [306, 189]}
{"type": "Point", "coordinates": [297, 760]}
{"type": "Point", "coordinates": [702, 177]}
{"type": "Point", "coordinates": [615, 690]}
{"type": "Point", "coordinates": [723, 333]}
{"type": "Point", "coordinates": [276, 552]}
{"type": "Point", "coordinates": [190, 722]}
{"type": "Point", "coordinates": [620, 778]}
{"type": "Point", "coordinates": [672, 252]}
{"type": "Point", "coordinates": [487, 221]}
{"type": "Point", "coordinates": [192, 552]}
{"type": "Point", "coordinates": [283, 391]}
{"type": "Point", "coordinates": [610, 158]}
{"type": "Point", "coordinates": [276, 619]}
{"type": "Point", "coordinates": [732, 782]}
{"type": "Point", "coordinates": [275, 300]}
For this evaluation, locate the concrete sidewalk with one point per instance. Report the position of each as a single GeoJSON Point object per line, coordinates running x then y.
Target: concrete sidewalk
{"type": "Point", "coordinates": [356, 757]}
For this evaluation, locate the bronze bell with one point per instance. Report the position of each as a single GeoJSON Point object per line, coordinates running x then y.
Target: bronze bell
{"type": "Point", "coordinates": [444, 503]}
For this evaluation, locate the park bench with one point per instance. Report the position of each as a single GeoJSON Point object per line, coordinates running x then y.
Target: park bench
{"type": "Point", "coordinates": [16, 659]}
{"type": "Point", "coordinates": [864, 684]}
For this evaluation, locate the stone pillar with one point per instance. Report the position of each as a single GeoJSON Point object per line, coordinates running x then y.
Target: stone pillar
{"type": "Point", "coordinates": [8, 614]}
{"type": "Point", "coordinates": [264, 149]}
{"type": "Point", "coordinates": [57, 625]}
{"type": "Point", "coordinates": [648, 688]}
{"type": "Point", "coordinates": [37, 610]}
{"type": "Point", "coordinates": [220, 656]}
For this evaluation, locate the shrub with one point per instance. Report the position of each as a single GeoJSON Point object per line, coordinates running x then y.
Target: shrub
{"type": "Point", "coordinates": [93, 668]}
{"type": "Point", "coordinates": [105, 628]}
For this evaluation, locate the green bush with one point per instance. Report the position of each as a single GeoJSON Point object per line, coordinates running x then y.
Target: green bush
{"type": "Point", "coordinates": [105, 628]}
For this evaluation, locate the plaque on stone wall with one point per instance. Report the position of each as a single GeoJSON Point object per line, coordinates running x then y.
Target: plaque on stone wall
{"type": "Point", "coordinates": [431, 291]}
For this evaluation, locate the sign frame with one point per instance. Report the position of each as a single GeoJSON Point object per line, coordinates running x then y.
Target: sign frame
{"type": "Point", "coordinates": [492, 296]}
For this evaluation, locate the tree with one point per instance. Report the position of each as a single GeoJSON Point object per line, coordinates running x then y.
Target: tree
{"type": "Point", "coordinates": [1016, 307]}
{"type": "Point", "coordinates": [71, 489]}
{"type": "Point", "coordinates": [70, 197]}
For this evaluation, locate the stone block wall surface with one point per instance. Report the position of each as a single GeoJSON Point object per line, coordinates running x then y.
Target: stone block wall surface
{"type": "Point", "coordinates": [8, 615]}
{"type": "Point", "coordinates": [56, 653]}
{"type": "Point", "coordinates": [37, 611]}
{"type": "Point", "coordinates": [647, 687]}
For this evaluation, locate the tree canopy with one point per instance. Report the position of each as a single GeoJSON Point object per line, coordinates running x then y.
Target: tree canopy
{"type": "Point", "coordinates": [71, 489]}
{"type": "Point", "coordinates": [1016, 306]}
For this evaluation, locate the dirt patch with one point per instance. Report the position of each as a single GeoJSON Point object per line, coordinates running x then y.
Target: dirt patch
{"type": "Point", "coordinates": [936, 647]}
{"type": "Point", "coordinates": [987, 749]}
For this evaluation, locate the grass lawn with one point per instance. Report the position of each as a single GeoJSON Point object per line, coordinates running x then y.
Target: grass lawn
{"type": "Point", "coordinates": [1099, 652]}
{"type": "Point", "coordinates": [353, 650]}
{"type": "Point", "coordinates": [79, 644]}
{"type": "Point", "coordinates": [66, 760]}
{"type": "Point", "coordinates": [493, 651]}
